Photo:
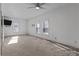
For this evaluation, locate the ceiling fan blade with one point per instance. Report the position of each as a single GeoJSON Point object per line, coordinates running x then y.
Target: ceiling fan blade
{"type": "Point", "coordinates": [36, 4]}
{"type": "Point", "coordinates": [31, 7]}
{"type": "Point", "coordinates": [42, 8]}
{"type": "Point", "coordinates": [39, 5]}
{"type": "Point", "coordinates": [42, 4]}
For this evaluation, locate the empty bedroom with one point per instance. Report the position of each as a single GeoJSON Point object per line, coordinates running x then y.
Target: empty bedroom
{"type": "Point", "coordinates": [39, 29]}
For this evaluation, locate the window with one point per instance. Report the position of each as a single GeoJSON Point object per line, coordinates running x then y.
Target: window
{"type": "Point", "coordinates": [37, 28]}
{"type": "Point", "coordinates": [45, 27]}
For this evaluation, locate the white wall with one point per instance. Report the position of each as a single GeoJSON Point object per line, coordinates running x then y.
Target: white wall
{"type": "Point", "coordinates": [19, 26]}
{"type": "Point", "coordinates": [67, 25]}
{"type": "Point", "coordinates": [0, 29]}
{"type": "Point", "coordinates": [40, 19]}
{"type": "Point", "coordinates": [63, 24]}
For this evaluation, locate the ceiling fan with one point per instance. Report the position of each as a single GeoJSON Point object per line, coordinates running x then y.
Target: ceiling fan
{"type": "Point", "coordinates": [38, 6]}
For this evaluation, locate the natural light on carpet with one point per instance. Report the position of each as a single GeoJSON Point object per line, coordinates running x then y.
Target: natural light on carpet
{"type": "Point", "coordinates": [13, 40]}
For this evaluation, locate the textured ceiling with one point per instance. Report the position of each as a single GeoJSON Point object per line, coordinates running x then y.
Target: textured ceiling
{"type": "Point", "coordinates": [21, 10]}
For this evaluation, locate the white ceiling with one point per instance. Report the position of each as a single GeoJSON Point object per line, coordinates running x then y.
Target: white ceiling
{"type": "Point", "coordinates": [21, 10]}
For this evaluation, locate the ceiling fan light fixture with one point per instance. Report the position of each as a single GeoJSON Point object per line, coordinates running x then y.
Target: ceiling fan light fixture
{"type": "Point", "coordinates": [37, 8]}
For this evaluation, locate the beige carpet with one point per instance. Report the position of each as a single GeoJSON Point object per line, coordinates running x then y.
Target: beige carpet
{"type": "Point", "coordinates": [32, 46]}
